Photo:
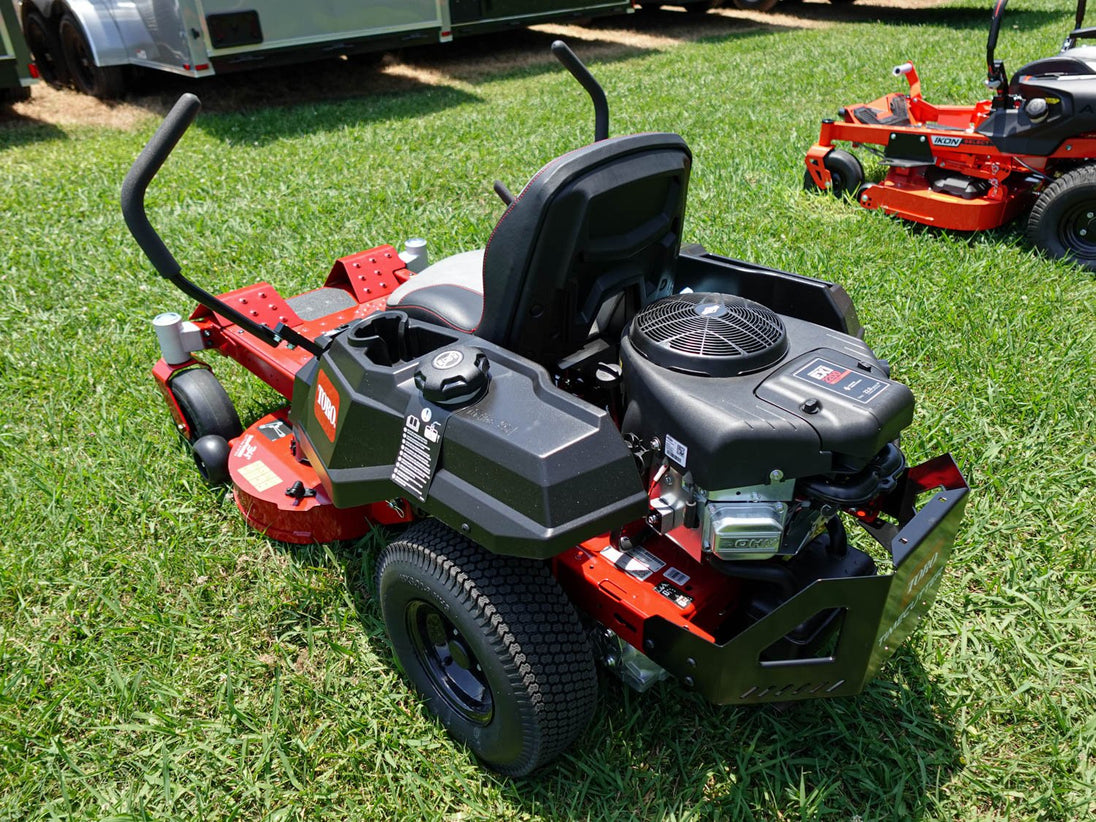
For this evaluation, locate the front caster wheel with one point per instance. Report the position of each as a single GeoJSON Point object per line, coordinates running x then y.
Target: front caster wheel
{"type": "Point", "coordinates": [211, 456]}
{"type": "Point", "coordinates": [846, 174]}
{"type": "Point", "coordinates": [1063, 220]}
{"type": "Point", "coordinates": [491, 643]}
{"type": "Point", "coordinates": [210, 417]}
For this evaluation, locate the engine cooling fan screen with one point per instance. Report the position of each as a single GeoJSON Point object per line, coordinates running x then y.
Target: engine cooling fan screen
{"type": "Point", "coordinates": [716, 335]}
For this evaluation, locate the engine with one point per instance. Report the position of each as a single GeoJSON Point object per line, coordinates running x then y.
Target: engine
{"type": "Point", "coordinates": [756, 428]}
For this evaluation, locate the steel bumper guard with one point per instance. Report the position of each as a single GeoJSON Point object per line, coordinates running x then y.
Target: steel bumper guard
{"type": "Point", "coordinates": [880, 610]}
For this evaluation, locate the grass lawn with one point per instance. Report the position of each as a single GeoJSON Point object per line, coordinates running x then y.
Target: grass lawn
{"type": "Point", "coordinates": [158, 660]}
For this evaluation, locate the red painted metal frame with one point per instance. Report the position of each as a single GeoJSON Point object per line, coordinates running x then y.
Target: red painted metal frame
{"type": "Point", "coordinates": [368, 276]}
{"type": "Point", "coordinates": [264, 468]}
{"type": "Point", "coordinates": [623, 602]}
{"type": "Point", "coordinates": [906, 192]}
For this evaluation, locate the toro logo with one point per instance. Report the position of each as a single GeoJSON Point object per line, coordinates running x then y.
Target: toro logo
{"type": "Point", "coordinates": [327, 405]}
{"type": "Point", "coordinates": [938, 140]}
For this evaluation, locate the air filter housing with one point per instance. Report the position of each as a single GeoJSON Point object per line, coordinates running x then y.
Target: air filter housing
{"type": "Point", "coordinates": [711, 335]}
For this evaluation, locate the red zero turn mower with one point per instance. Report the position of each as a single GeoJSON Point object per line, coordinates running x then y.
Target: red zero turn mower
{"type": "Point", "coordinates": [593, 444]}
{"type": "Point", "coordinates": [970, 168]}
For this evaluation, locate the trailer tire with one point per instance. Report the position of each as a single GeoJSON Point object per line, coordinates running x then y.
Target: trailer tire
{"type": "Point", "coordinates": [846, 174]}
{"type": "Point", "coordinates": [491, 643]}
{"type": "Point", "coordinates": [755, 5]}
{"type": "Point", "coordinates": [1063, 221]}
{"type": "Point", "coordinates": [45, 47]}
{"type": "Point", "coordinates": [104, 82]}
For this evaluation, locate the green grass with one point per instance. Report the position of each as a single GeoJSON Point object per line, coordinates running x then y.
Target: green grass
{"type": "Point", "coordinates": [158, 660]}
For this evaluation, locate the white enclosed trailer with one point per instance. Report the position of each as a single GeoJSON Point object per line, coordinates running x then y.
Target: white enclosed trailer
{"type": "Point", "coordinates": [90, 43]}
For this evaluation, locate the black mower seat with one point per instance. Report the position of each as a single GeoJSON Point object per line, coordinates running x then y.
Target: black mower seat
{"type": "Point", "coordinates": [449, 292]}
{"type": "Point", "coordinates": [597, 223]}
{"type": "Point", "coordinates": [1076, 61]}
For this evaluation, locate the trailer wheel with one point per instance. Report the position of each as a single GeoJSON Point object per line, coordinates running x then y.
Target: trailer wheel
{"type": "Point", "coordinates": [46, 48]}
{"type": "Point", "coordinates": [1063, 221]}
{"type": "Point", "coordinates": [104, 82]}
{"type": "Point", "coordinates": [211, 417]}
{"type": "Point", "coordinates": [846, 174]}
{"type": "Point", "coordinates": [491, 643]}
{"type": "Point", "coordinates": [755, 5]}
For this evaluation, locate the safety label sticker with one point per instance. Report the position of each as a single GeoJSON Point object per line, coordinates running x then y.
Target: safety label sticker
{"type": "Point", "coordinates": [635, 561]}
{"type": "Point", "coordinates": [260, 475]}
{"type": "Point", "coordinates": [676, 451]}
{"type": "Point", "coordinates": [676, 577]}
{"type": "Point", "coordinates": [853, 384]}
{"type": "Point", "coordinates": [275, 430]}
{"type": "Point", "coordinates": [678, 598]}
{"type": "Point", "coordinates": [420, 447]}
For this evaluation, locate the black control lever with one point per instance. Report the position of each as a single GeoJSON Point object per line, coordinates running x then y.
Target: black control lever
{"type": "Point", "coordinates": [579, 71]}
{"type": "Point", "coordinates": [140, 174]}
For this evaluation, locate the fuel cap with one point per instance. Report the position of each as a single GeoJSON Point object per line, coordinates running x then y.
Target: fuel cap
{"type": "Point", "coordinates": [453, 376]}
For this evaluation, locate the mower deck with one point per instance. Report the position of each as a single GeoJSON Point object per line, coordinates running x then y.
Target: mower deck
{"type": "Point", "coordinates": [278, 494]}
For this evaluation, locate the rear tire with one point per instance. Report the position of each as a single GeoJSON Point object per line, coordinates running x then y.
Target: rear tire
{"type": "Point", "coordinates": [491, 643]}
{"type": "Point", "coordinates": [1063, 221]}
{"type": "Point", "coordinates": [846, 174]}
{"type": "Point", "coordinates": [104, 82]}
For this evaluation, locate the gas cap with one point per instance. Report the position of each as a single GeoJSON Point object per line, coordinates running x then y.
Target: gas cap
{"type": "Point", "coordinates": [454, 376]}
{"type": "Point", "coordinates": [1036, 109]}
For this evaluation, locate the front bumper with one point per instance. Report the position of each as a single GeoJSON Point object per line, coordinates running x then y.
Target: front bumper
{"type": "Point", "coordinates": [878, 612]}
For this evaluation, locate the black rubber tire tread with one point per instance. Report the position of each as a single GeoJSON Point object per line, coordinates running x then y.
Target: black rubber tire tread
{"type": "Point", "coordinates": [701, 7]}
{"type": "Point", "coordinates": [755, 5]}
{"type": "Point", "coordinates": [211, 456]}
{"type": "Point", "coordinates": [846, 173]}
{"type": "Point", "coordinates": [45, 47]}
{"type": "Point", "coordinates": [205, 404]}
{"type": "Point", "coordinates": [104, 82]}
{"type": "Point", "coordinates": [1044, 226]}
{"type": "Point", "coordinates": [524, 632]}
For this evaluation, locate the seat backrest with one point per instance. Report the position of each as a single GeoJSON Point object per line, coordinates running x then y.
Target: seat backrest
{"type": "Point", "coordinates": [597, 223]}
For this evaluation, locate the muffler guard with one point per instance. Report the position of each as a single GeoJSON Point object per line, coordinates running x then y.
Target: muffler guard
{"type": "Point", "coordinates": [879, 611]}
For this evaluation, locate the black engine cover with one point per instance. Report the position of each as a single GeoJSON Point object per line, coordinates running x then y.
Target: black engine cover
{"type": "Point", "coordinates": [821, 403]}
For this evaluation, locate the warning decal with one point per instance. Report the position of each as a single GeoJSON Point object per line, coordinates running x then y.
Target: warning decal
{"type": "Point", "coordinates": [420, 447]}
{"type": "Point", "coordinates": [850, 383]}
{"type": "Point", "coordinates": [635, 562]}
{"type": "Point", "coordinates": [260, 475]}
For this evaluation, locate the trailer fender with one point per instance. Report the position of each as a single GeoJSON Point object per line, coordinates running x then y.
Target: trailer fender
{"type": "Point", "coordinates": [97, 19]}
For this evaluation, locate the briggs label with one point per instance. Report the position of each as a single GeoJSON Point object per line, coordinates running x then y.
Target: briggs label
{"type": "Point", "coordinates": [859, 386]}
{"type": "Point", "coordinates": [327, 405]}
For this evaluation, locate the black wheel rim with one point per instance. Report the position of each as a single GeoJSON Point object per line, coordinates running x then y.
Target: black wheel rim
{"type": "Point", "coordinates": [83, 67]}
{"type": "Point", "coordinates": [447, 659]}
{"type": "Point", "coordinates": [1077, 230]}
